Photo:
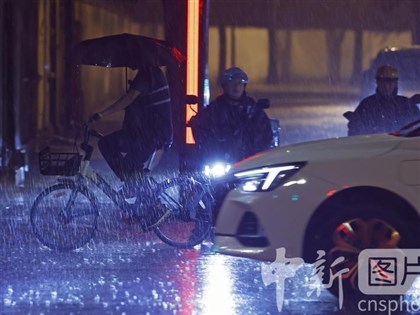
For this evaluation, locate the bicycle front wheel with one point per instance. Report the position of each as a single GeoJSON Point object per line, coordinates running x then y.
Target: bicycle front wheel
{"type": "Point", "coordinates": [64, 217]}
{"type": "Point", "coordinates": [190, 219]}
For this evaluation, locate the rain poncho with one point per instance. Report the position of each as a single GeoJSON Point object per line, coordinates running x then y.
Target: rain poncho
{"type": "Point", "coordinates": [382, 114]}
{"type": "Point", "coordinates": [231, 129]}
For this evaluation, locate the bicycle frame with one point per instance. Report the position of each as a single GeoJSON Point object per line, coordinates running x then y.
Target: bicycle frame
{"type": "Point", "coordinates": [169, 206]}
{"type": "Point", "coordinates": [86, 172]}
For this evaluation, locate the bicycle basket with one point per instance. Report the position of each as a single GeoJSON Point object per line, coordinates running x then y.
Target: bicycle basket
{"type": "Point", "coordinates": [63, 164]}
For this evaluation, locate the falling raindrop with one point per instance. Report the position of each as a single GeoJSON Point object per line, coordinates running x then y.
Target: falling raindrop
{"type": "Point", "coordinates": [54, 295]}
{"type": "Point", "coordinates": [101, 281]}
{"type": "Point", "coordinates": [155, 294]}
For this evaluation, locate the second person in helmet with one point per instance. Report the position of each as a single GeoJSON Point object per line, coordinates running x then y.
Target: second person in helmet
{"type": "Point", "coordinates": [232, 126]}
{"type": "Point", "coordinates": [385, 111]}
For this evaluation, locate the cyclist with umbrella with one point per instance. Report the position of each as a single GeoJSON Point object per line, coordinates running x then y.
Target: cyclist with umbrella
{"type": "Point", "coordinates": [147, 124]}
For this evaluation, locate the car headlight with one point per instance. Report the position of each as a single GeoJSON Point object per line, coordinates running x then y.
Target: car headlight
{"type": "Point", "coordinates": [266, 178]}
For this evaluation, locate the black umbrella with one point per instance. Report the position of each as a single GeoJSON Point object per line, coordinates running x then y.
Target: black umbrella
{"type": "Point", "coordinates": [126, 50]}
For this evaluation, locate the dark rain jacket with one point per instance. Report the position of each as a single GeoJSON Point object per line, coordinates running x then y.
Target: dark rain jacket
{"type": "Point", "coordinates": [149, 118]}
{"type": "Point", "coordinates": [231, 129]}
{"type": "Point", "coordinates": [382, 114]}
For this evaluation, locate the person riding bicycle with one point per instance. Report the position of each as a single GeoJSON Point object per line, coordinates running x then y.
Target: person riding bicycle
{"type": "Point", "coordinates": [232, 126]}
{"type": "Point", "coordinates": [147, 126]}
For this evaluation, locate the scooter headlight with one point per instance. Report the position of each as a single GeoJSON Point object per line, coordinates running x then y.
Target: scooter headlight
{"type": "Point", "coordinates": [217, 169]}
{"type": "Point", "coordinates": [266, 178]}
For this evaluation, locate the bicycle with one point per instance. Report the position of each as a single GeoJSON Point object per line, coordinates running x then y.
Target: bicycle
{"type": "Point", "coordinates": [64, 216]}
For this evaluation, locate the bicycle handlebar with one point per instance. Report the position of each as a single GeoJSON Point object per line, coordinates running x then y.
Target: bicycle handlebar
{"type": "Point", "coordinates": [85, 146]}
{"type": "Point", "coordinates": [87, 132]}
{"type": "Point", "coordinates": [94, 117]}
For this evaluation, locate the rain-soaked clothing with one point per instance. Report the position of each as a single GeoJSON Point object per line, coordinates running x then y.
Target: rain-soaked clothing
{"type": "Point", "coordinates": [147, 126]}
{"type": "Point", "coordinates": [231, 129]}
{"type": "Point", "coordinates": [382, 114]}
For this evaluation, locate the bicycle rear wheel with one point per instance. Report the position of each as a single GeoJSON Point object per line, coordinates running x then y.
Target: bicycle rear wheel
{"type": "Point", "coordinates": [64, 217]}
{"type": "Point", "coordinates": [190, 219]}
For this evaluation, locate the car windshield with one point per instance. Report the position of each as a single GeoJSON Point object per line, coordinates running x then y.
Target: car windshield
{"type": "Point", "coordinates": [410, 130]}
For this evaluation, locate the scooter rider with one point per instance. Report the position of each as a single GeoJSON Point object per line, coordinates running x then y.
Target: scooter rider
{"type": "Point", "coordinates": [384, 111]}
{"type": "Point", "coordinates": [232, 126]}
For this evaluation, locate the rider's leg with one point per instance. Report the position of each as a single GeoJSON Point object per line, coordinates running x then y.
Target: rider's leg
{"type": "Point", "coordinates": [133, 165]}
{"type": "Point", "coordinates": [152, 210]}
{"type": "Point", "coordinates": [113, 149]}
{"type": "Point", "coordinates": [125, 155]}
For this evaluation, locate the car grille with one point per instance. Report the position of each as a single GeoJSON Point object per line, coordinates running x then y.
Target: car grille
{"type": "Point", "coordinates": [250, 232]}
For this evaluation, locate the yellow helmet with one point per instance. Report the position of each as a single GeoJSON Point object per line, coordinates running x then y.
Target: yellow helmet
{"type": "Point", "coordinates": [387, 72]}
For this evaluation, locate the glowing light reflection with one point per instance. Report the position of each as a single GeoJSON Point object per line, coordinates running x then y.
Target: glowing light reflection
{"type": "Point", "coordinates": [295, 182]}
{"type": "Point", "coordinates": [218, 287]}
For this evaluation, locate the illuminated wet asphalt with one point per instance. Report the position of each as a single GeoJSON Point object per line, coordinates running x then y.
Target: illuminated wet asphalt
{"type": "Point", "coordinates": [123, 271]}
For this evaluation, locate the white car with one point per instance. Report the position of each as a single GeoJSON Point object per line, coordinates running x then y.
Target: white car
{"type": "Point", "coordinates": [338, 195]}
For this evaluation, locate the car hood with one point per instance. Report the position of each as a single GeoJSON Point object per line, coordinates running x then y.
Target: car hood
{"type": "Point", "coordinates": [355, 147]}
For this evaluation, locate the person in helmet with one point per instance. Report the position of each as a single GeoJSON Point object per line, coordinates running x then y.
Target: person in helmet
{"type": "Point", "coordinates": [232, 126]}
{"type": "Point", "coordinates": [385, 111]}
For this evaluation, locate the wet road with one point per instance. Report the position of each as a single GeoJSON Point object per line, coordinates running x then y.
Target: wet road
{"type": "Point", "coordinates": [310, 119]}
{"type": "Point", "coordinates": [123, 271]}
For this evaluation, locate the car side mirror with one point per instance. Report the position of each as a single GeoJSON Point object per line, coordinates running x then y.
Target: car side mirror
{"type": "Point", "coordinates": [263, 103]}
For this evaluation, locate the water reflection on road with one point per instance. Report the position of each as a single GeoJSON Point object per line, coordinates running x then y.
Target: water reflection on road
{"type": "Point", "coordinates": [143, 276]}
{"type": "Point", "coordinates": [123, 271]}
